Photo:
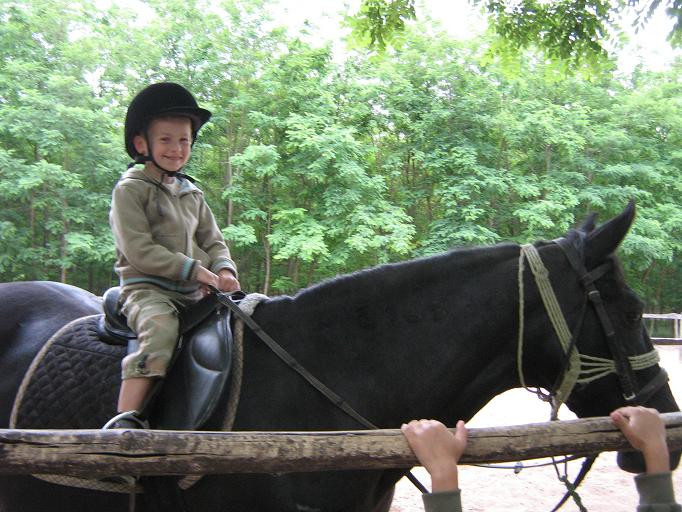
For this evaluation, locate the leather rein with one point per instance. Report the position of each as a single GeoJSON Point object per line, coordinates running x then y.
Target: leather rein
{"type": "Point", "coordinates": [292, 363]}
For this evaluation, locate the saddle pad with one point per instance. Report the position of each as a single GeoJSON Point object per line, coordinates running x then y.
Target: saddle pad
{"type": "Point", "coordinates": [73, 381]}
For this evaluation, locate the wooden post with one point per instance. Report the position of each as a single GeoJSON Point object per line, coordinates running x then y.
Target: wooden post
{"type": "Point", "coordinates": [97, 453]}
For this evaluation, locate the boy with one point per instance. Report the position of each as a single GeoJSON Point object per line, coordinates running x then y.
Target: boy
{"type": "Point", "coordinates": [168, 246]}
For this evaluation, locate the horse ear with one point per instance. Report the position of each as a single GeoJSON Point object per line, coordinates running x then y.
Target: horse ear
{"type": "Point", "coordinates": [604, 240]}
{"type": "Point", "coordinates": [588, 224]}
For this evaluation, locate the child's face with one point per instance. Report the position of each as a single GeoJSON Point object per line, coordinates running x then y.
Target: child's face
{"type": "Point", "coordinates": [171, 142]}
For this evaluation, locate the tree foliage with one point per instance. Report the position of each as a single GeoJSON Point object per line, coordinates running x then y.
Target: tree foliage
{"type": "Point", "coordinates": [316, 167]}
{"type": "Point", "coordinates": [569, 32]}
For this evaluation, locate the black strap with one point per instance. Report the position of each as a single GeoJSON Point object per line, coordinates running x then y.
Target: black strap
{"type": "Point", "coordinates": [291, 362]}
{"type": "Point", "coordinates": [584, 469]}
{"type": "Point", "coordinates": [644, 395]}
{"type": "Point", "coordinates": [179, 175]}
{"type": "Point", "coordinates": [280, 352]}
{"type": "Point", "coordinates": [623, 367]}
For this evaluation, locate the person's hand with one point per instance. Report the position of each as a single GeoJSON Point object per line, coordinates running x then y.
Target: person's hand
{"type": "Point", "coordinates": [207, 279]}
{"type": "Point", "coordinates": [645, 431]}
{"type": "Point", "coordinates": [227, 282]}
{"type": "Point", "coordinates": [438, 450]}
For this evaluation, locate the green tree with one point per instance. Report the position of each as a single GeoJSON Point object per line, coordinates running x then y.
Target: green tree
{"type": "Point", "coordinates": [568, 31]}
{"type": "Point", "coordinates": [56, 149]}
{"type": "Point", "coordinates": [316, 167]}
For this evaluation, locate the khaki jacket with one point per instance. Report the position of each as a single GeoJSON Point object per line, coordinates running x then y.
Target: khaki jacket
{"type": "Point", "coordinates": [162, 233]}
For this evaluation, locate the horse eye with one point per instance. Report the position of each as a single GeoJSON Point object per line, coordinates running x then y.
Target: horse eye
{"type": "Point", "coordinates": [633, 317]}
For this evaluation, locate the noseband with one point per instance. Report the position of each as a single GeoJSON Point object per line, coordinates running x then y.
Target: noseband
{"type": "Point", "coordinates": [581, 368]}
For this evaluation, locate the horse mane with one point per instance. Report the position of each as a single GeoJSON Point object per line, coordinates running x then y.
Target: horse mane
{"type": "Point", "coordinates": [402, 277]}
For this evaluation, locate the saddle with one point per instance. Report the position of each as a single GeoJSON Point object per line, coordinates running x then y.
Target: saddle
{"type": "Point", "coordinates": [73, 382]}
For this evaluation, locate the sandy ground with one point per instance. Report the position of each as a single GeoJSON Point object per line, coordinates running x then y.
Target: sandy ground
{"type": "Point", "coordinates": [606, 487]}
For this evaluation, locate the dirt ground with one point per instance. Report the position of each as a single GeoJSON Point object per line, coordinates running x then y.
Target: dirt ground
{"type": "Point", "coordinates": [606, 488]}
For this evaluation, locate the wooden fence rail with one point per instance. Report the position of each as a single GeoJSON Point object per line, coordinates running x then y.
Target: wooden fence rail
{"type": "Point", "coordinates": [677, 327]}
{"type": "Point", "coordinates": [97, 453]}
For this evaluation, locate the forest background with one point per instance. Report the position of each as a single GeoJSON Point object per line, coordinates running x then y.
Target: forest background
{"type": "Point", "coordinates": [317, 166]}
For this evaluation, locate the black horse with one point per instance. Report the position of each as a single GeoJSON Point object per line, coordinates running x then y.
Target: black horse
{"type": "Point", "coordinates": [431, 338]}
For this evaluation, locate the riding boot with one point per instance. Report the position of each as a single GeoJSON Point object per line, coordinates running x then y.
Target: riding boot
{"type": "Point", "coordinates": [128, 419]}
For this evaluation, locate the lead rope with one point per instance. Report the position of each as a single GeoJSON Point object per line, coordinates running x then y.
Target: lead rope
{"type": "Point", "coordinates": [571, 487]}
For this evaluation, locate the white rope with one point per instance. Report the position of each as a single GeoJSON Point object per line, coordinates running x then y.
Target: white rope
{"type": "Point", "coordinates": [558, 322]}
{"type": "Point", "coordinates": [519, 346]}
{"type": "Point", "coordinates": [594, 368]}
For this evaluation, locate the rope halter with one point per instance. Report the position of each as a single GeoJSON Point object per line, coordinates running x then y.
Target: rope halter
{"type": "Point", "coordinates": [580, 368]}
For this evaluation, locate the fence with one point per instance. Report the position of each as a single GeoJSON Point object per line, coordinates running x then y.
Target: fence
{"type": "Point", "coordinates": [676, 330]}
{"type": "Point", "coordinates": [99, 453]}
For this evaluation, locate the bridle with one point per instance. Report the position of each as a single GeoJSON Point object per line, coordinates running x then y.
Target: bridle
{"type": "Point", "coordinates": [577, 367]}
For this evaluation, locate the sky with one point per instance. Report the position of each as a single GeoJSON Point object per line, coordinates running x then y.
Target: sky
{"type": "Point", "coordinates": [463, 21]}
{"type": "Point", "coordinates": [323, 21]}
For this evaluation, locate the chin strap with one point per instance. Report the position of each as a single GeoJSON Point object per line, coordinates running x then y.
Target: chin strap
{"type": "Point", "coordinates": [142, 159]}
{"type": "Point", "coordinates": [179, 175]}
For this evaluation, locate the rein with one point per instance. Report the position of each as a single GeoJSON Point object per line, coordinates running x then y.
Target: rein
{"type": "Point", "coordinates": [290, 361]}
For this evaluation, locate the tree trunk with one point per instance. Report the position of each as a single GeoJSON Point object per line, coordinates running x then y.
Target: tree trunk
{"type": "Point", "coordinates": [267, 250]}
{"type": "Point", "coordinates": [62, 242]}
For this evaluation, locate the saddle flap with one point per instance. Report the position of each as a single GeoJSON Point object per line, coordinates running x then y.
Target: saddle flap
{"type": "Point", "coordinates": [113, 327]}
{"type": "Point", "coordinates": [194, 385]}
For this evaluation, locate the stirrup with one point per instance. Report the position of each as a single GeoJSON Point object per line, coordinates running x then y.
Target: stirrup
{"type": "Point", "coordinates": [128, 419]}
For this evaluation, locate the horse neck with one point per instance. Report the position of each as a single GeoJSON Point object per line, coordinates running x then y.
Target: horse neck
{"type": "Point", "coordinates": [431, 337]}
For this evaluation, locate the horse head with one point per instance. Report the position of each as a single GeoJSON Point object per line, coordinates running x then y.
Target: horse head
{"type": "Point", "coordinates": [607, 360]}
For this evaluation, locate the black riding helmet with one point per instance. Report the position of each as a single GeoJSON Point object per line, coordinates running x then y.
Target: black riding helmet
{"type": "Point", "coordinates": [160, 100]}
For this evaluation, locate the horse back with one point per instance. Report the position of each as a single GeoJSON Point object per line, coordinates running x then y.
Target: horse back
{"type": "Point", "coordinates": [30, 313]}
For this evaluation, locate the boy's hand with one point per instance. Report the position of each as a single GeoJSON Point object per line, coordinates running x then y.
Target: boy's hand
{"type": "Point", "coordinates": [645, 430]}
{"type": "Point", "coordinates": [438, 450]}
{"type": "Point", "coordinates": [206, 278]}
{"type": "Point", "coordinates": [227, 282]}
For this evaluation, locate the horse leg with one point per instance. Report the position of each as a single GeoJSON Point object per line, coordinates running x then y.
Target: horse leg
{"type": "Point", "coordinates": [384, 504]}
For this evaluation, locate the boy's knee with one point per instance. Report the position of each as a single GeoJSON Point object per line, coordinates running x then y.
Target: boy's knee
{"type": "Point", "coordinates": [158, 340]}
{"type": "Point", "coordinates": [144, 365]}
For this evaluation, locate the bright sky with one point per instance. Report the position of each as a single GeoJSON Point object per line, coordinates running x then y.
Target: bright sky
{"type": "Point", "coordinates": [462, 21]}
{"type": "Point", "coordinates": [322, 19]}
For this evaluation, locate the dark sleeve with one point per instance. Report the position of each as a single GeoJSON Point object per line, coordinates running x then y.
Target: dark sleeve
{"type": "Point", "coordinates": [450, 501]}
{"type": "Point", "coordinates": [656, 493]}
